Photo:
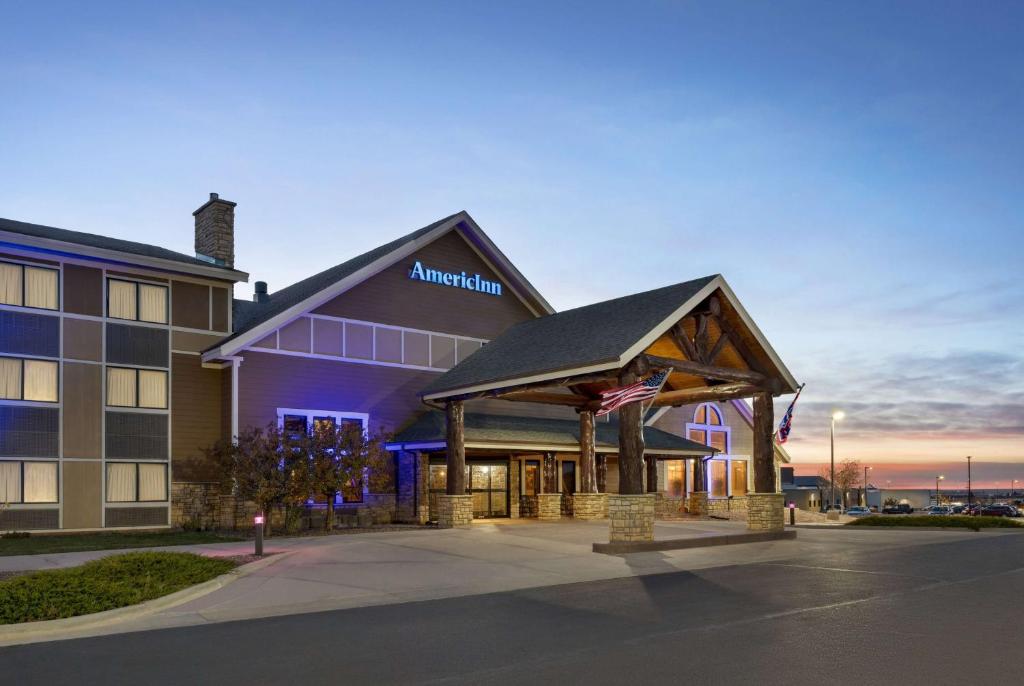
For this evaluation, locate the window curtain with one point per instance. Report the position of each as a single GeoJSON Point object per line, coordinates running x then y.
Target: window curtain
{"type": "Point", "coordinates": [10, 482]}
{"type": "Point", "coordinates": [40, 482]}
{"type": "Point", "coordinates": [718, 477]}
{"type": "Point", "coordinates": [10, 378]}
{"type": "Point", "coordinates": [739, 477]}
{"type": "Point", "coordinates": [10, 284]}
{"type": "Point", "coordinates": [153, 304]}
{"type": "Point", "coordinates": [41, 288]}
{"type": "Point", "coordinates": [120, 387]}
{"type": "Point", "coordinates": [152, 482]}
{"type": "Point", "coordinates": [152, 389]}
{"type": "Point", "coordinates": [41, 380]}
{"type": "Point", "coordinates": [121, 299]}
{"type": "Point", "coordinates": [120, 482]}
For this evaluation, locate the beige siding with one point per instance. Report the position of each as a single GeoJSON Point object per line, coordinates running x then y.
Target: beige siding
{"type": "Point", "coordinates": [190, 305]}
{"type": "Point", "coordinates": [196, 418]}
{"type": "Point", "coordinates": [83, 290]}
{"type": "Point", "coordinates": [295, 336]}
{"type": "Point", "coordinates": [188, 341]}
{"type": "Point", "coordinates": [83, 410]}
{"type": "Point", "coordinates": [83, 495]}
{"type": "Point", "coordinates": [83, 340]}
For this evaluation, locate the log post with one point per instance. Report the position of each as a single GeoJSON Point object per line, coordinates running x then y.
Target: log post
{"type": "Point", "coordinates": [602, 473]}
{"type": "Point", "coordinates": [455, 420]}
{"type": "Point", "coordinates": [700, 480]}
{"type": "Point", "coordinates": [588, 466]}
{"type": "Point", "coordinates": [764, 449]}
{"type": "Point", "coordinates": [652, 473]}
{"type": "Point", "coordinates": [631, 442]}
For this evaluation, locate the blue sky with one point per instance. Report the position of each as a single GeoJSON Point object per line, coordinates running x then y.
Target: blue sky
{"type": "Point", "coordinates": [854, 169]}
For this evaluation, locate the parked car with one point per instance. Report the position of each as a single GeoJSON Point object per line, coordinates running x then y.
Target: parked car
{"type": "Point", "coordinates": [900, 508]}
{"type": "Point", "coordinates": [938, 510]}
{"type": "Point", "coordinates": [858, 511]}
{"type": "Point", "coordinates": [959, 509]}
{"type": "Point", "coordinates": [998, 510]}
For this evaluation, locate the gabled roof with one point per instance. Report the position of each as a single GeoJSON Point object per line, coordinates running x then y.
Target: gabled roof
{"type": "Point", "coordinates": [255, 320]}
{"type": "Point", "coordinates": [539, 433]}
{"type": "Point", "coordinates": [598, 337]}
{"type": "Point", "coordinates": [115, 249]}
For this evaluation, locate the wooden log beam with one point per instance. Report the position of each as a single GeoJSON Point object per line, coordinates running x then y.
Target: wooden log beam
{"type": "Point", "coordinates": [700, 480]}
{"type": "Point", "coordinates": [631, 442]}
{"type": "Point", "coordinates": [705, 393]}
{"type": "Point", "coordinates": [707, 371]}
{"type": "Point", "coordinates": [763, 452]}
{"type": "Point", "coordinates": [719, 347]}
{"type": "Point", "coordinates": [588, 462]}
{"type": "Point", "coordinates": [700, 339]}
{"type": "Point", "coordinates": [602, 473]}
{"type": "Point", "coordinates": [679, 337]}
{"type": "Point", "coordinates": [455, 421]}
{"type": "Point", "coordinates": [651, 473]}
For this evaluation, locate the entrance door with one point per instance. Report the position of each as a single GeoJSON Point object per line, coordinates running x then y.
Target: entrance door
{"type": "Point", "coordinates": [489, 485]}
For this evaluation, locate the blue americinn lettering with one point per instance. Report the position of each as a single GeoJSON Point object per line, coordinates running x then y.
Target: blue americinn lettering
{"type": "Point", "coordinates": [471, 282]}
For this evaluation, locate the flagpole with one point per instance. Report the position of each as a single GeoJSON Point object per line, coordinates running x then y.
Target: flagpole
{"type": "Point", "coordinates": [799, 390]}
{"type": "Point", "coordinates": [643, 410]}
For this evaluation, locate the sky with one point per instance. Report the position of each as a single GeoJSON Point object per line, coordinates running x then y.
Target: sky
{"type": "Point", "coordinates": [853, 169]}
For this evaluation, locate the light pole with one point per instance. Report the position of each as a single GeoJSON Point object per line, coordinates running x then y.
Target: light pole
{"type": "Point", "coordinates": [866, 485]}
{"type": "Point", "coordinates": [1012, 487]}
{"type": "Point", "coordinates": [837, 416]}
{"type": "Point", "coordinates": [969, 493]}
{"type": "Point", "coordinates": [938, 478]}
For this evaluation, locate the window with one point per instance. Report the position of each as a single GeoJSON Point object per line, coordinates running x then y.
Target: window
{"type": "Point", "coordinates": [137, 301]}
{"type": "Point", "coordinates": [28, 380]}
{"type": "Point", "coordinates": [136, 388]}
{"type": "Point", "coordinates": [136, 482]}
{"type": "Point", "coordinates": [738, 485]}
{"type": "Point", "coordinates": [295, 423]}
{"type": "Point", "coordinates": [531, 477]}
{"type": "Point", "coordinates": [28, 482]}
{"type": "Point", "coordinates": [717, 478]}
{"type": "Point", "coordinates": [675, 477]}
{"type": "Point", "coordinates": [27, 286]}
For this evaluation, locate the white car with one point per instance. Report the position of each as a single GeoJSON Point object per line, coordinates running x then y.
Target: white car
{"type": "Point", "coordinates": [858, 511]}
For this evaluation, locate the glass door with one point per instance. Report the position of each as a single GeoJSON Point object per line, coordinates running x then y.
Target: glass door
{"type": "Point", "coordinates": [488, 483]}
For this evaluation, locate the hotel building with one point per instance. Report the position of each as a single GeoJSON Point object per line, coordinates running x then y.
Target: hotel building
{"type": "Point", "coordinates": [121, 362]}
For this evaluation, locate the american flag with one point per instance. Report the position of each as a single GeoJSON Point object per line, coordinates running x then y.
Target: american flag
{"type": "Point", "coordinates": [787, 420]}
{"type": "Point", "coordinates": [641, 390]}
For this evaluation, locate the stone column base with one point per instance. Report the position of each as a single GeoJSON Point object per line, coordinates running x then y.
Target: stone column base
{"type": "Point", "coordinates": [590, 506]}
{"type": "Point", "coordinates": [631, 517]}
{"type": "Point", "coordinates": [765, 511]}
{"type": "Point", "coordinates": [698, 504]}
{"type": "Point", "coordinates": [549, 506]}
{"type": "Point", "coordinates": [454, 510]}
{"type": "Point", "coordinates": [668, 507]}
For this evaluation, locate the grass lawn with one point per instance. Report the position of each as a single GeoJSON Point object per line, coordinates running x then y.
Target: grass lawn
{"type": "Point", "coordinates": [955, 521]}
{"type": "Point", "coordinates": [36, 545]}
{"type": "Point", "coordinates": [104, 584]}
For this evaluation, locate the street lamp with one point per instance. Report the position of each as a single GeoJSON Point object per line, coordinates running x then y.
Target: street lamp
{"type": "Point", "coordinates": [837, 416]}
{"type": "Point", "coordinates": [938, 478]}
{"type": "Point", "coordinates": [1012, 487]}
{"type": "Point", "coordinates": [969, 492]}
{"type": "Point", "coordinates": [866, 485]}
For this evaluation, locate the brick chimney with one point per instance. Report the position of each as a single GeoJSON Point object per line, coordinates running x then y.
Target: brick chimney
{"type": "Point", "coordinates": [215, 231]}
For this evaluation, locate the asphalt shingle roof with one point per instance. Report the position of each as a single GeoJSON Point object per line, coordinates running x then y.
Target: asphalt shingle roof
{"type": "Point", "coordinates": [103, 242]}
{"type": "Point", "coordinates": [490, 428]}
{"type": "Point", "coordinates": [589, 335]}
{"type": "Point", "coordinates": [248, 315]}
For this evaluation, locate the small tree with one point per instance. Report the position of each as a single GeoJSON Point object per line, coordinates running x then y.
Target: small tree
{"type": "Point", "coordinates": [362, 457]}
{"type": "Point", "coordinates": [253, 464]}
{"type": "Point", "coordinates": [847, 475]}
{"type": "Point", "coordinates": [325, 447]}
{"type": "Point", "coordinates": [297, 475]}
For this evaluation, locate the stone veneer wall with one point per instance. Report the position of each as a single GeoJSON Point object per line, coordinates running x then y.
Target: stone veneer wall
{"type": "Point", "coordinates": [631, 517]}
{"type": "Point", "coordinates": [730, 508]}
{"type": "Point", "coordinates": [527, 506]}
{"type": "Point", "coordinates": [549, 506]}
{"type": "Point", "coordinates": [698, 504]}
{"type": "Point", "coordinates": [513, 484]}
{"type": "Point", "coordinates": [195, 505]}
{"type": "Point", "coordinates": [765, 511]}
{"type": "Point", "coordinates": [669, 506]}
{"type": "Point", "coordinates": [590, 506]}
{"type": "Point", "coordinates": [454, 511]}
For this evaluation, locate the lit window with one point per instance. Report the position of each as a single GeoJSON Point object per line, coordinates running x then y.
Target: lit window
{"type": "Point", "coordinates": [27, 286]}
{"type": "Point", "coordinates": [739, 477]}
{"type": "Point", "coordinates": [28, 482]}
{"type": "Point", "coordinates": [131, 482]}
{"type": "Point", "coordinates": [136, 388]}
{"type": "Point", "coordinates": [675, 477]}
{"type": "Point", "coordinates": [28, 380]}
{"type": "Point", "coordinates": [718, 487]}
{"type": "Point", "coordinates": [137, 301]}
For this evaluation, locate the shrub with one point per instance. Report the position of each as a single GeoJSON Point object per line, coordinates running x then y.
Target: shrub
{"type": "Point", "coordinates": [103, 584]}
{"type": "Point", "coordinates": [945, 521]}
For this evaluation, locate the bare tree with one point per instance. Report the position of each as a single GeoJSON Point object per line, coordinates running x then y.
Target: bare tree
{"type": "Point", "coordinates": [848, 474]}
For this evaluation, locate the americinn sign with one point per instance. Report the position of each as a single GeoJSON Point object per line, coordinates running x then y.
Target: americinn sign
{"type": "Point", "coordinates": [470, 282]}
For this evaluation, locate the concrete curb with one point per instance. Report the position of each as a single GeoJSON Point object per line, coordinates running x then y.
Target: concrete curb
{"type": "Point", "coordinates": [54, 629]}
{"type": "Point", "coordinates": [620, 548]}
{"type": "Point", "coordinates": [844, 527]}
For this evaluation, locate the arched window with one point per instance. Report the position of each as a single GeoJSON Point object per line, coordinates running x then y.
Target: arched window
{"type": "Point", "coordinates": [707, 428]}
